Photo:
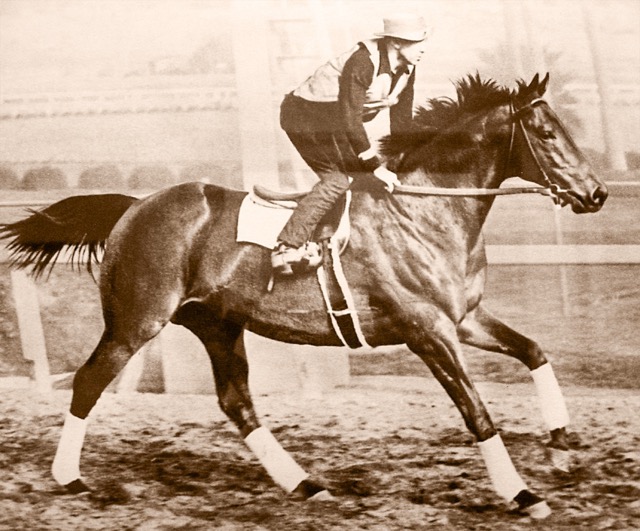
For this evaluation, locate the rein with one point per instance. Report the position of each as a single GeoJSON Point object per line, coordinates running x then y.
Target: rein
{"type": "Point", "coordinates": [469, 192]}
{"type": "Point", "coordinates": [473, 192]}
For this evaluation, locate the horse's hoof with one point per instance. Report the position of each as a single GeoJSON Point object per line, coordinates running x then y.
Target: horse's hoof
{"type": "Point", "coordinates": [77, 486]}
{"type": "Point", "coordinates": [539, 511]}
{"type": "Point", "coordinates": [532, 505]}
{"type": "Point", "coordinates": [322, 496]}
{"type": "Point", "coordinates": [561, 459]}
{"type": "Point", "coordinates": [310, 490]}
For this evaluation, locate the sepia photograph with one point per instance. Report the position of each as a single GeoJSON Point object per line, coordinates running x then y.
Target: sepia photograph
{"type": "Point", "coordinates": [306, 265]}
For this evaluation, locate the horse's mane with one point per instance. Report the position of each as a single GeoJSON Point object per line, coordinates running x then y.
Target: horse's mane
{"type": "Point", "coordinates": [438, 118]}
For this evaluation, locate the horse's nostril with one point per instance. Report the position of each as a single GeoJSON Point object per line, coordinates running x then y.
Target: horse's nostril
{"type": "Point", "coordinates": [599, 195]}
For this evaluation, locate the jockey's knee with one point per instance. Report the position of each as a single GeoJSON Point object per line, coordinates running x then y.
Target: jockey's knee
{"type": "Point", "coordinates": [335, 183]}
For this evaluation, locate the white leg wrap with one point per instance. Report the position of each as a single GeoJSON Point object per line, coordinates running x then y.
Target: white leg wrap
{"type": "Point", "coordinates": [504, 477]}
{"type": "Point", "coordinates": [275, 459]}
{"type": "Point", "coordinates": [552, 405]}
{"type": "Point", "coordinates": [66, 463]}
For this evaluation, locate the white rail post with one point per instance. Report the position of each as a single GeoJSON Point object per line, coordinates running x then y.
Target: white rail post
{"type": "Point", "coordinates": [25, 296]}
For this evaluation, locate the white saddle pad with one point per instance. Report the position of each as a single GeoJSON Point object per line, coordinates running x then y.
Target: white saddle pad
{"type": "Point", "coordinates": [260, 222]}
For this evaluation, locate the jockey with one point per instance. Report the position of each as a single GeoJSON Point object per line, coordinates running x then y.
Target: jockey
{"type": "Point", "coordinates": [324, 119]}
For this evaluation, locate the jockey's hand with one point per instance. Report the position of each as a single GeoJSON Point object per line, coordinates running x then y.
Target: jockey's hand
{"type": "Point", "coordinates": [389, 178]}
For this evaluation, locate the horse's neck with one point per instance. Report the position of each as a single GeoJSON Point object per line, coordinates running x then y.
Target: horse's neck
{"type": "Point", "coordinates": [472, 212]}
{"type": "Point", "coordinates": [484, 178]}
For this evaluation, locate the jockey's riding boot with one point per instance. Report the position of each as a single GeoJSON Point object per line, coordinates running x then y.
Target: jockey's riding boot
{"type": "Point", "coordinates": [283, 257]}
{"type": "Point", "coordinates": [287, 260]}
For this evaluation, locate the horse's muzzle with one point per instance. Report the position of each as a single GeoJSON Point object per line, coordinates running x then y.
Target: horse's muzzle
{"type": "Point", "coordinates": [599, 196]}
{"type": "Point", "coordinates": [589, 201]}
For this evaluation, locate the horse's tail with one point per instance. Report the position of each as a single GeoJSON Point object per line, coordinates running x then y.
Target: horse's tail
{"type": "Point", "coordinates": [80, 224]}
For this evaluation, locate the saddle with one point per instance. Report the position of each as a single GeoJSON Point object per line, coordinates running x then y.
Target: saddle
{"type": "Point", "coordinates": [276, 196]}
{"type": "Point", "coordinates": [328, 225]}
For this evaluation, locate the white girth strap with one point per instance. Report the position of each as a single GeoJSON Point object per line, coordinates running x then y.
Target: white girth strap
{"type": "Point", "coordinates": [348, 297]}
{"type": "Point", "coordinates": [351, 310]}
{"type": "Point", "coordinates": [327, 302]}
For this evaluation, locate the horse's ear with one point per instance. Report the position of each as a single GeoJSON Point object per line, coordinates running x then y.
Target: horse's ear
{"type": "Point", "coordinates": [542, 87]}
{"type": "Point", "coordinates": [534, 82]}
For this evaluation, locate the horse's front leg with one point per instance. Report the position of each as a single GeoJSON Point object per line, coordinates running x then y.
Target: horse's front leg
{"type": "Point", "coordinates": [480, 329]}
{"type": "Point", "coordinates": [434, 338]}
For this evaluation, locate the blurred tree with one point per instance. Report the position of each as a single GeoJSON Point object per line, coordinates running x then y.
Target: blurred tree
{"type": "Point", "coordinates": [499, 64]}
{"type": "Point", "coordinates": [44, 178]}
{"type": "Point", "coordinates": [9, 179]}
{"type": "Point", "coordinates": [207, 172]}
{"type": "Point", "coordinates": [613, 146]}
{"type": "Point", "coordinates": [103, 176]}
{"type": "Point", "coordinates": [214, 57]}
{"type": "Point", "coordinates": [152, 177]}
{"type": "Point", "coordinates": [513, 59]}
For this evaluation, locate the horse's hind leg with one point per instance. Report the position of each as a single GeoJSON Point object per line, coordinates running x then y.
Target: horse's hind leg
{"type": "Point", "coordinates": [104, 364]}
{"type": "Point", "coordinates": [480, 329]}
{"type": "Point", "coordinates": [127, 328]}
{"type": "Point", "coordinates": [225, 346]}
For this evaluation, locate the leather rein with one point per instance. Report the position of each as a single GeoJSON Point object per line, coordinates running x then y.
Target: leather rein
{"type": "Point", "coordinates": [551, 189]}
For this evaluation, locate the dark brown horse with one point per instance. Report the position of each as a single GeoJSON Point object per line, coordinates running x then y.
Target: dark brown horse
{"type": "Point", "coordinates": [415, 264]}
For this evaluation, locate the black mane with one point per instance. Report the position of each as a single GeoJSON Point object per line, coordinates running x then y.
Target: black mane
{"type": "Point", "coordinates": [437, 118]}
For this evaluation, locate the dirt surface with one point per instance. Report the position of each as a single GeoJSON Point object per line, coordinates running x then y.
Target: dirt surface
{"type": "Point", "coordinates": [392, 449]}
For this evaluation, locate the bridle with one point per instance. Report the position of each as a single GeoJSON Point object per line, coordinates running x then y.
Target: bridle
{"type": "Point", "coordinates": [551, 189]}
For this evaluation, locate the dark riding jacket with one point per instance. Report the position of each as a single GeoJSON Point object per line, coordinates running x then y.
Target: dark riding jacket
{"type": "Point", "coordinates": [324, 119]}
{"type": "Point", "coordinates": [348, 91]}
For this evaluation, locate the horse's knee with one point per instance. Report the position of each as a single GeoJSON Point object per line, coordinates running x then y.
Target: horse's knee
{"type": "Point", "coordinates": [451, 374]}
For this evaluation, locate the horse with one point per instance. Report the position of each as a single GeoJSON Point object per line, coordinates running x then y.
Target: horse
{"type": "Point", "coordinates": [415, 263]}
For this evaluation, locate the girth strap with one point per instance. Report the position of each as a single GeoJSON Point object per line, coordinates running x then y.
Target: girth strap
{"type": "Point", "coordinates": [338, 299]}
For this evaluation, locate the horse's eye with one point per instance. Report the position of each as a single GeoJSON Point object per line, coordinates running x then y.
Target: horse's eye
{"type": "Point", "coordinates": [547, 134]}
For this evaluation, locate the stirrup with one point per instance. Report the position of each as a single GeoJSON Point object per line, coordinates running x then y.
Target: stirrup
{"type": "Point", "coordinates": [287, 260]}
{"type": "Point", "coordinates": [282, 258]}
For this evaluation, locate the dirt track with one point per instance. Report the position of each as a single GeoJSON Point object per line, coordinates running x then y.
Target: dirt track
{"type": "Point", "coordinates": [392, 449]}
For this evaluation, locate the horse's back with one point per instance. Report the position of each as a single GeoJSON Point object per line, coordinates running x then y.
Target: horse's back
{"type": "Point", "coordinates": [174, 217]}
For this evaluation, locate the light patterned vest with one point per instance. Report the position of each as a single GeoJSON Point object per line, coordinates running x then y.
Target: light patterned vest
{"type": "Point", "coordinates": [323, 84]}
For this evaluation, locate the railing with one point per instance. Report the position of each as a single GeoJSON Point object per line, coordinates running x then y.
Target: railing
{"type": "Point", "coordinates": [116, 101]}
{"type": "Point", "coordinates": [133, 100]}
